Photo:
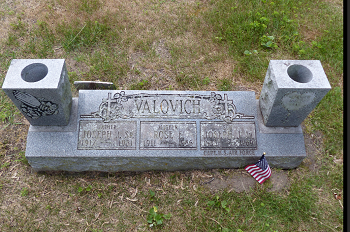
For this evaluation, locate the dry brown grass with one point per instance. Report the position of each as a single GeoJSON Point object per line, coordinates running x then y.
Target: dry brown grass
{"type": "Point", "coordinates": [160, 41]}
{"type": "Point", "coordinates": [145, 30]}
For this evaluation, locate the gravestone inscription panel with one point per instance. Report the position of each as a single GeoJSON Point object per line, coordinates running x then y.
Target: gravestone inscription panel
{"type": "Point", "coordinates": [162, 130]}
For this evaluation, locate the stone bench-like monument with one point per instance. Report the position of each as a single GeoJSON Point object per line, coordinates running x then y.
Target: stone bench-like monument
{"type": "Point", "coordinates": [111, 130]}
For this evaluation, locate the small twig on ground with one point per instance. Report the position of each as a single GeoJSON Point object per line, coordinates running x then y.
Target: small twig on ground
{"type": "Point", "coordinates": [216, 222]}
{"type": "Point", "coordinates": [13, 167]}
{"type": "Point", "coordinates": [207, 182]}
{"type": "Point", "coordinates": [195, 205]}
{"type": "Point", "coordinates": [110, 205]}
{"type": "Point", "coordinates": [341, 204]}
{"type": "Point", "coordinates": [77, 35]}
{"type": "Point", "coordinates": [324, 224]}
{"type": "Point", "coordinates": [139, 208]}
{"type": "Point", "coordinates": [134, 194]}
{"type": "Point", "coordinates": [181, 184]}
{"type": "Point", "coordinates": [129, 199]}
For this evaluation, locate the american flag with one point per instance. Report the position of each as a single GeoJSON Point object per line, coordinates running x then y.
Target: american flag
{"type": "Point", "coordinates": [260, 171]}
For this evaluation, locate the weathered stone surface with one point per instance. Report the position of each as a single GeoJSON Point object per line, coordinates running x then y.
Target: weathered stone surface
{"type": "Point", "coordinates": [40, 89]}
{"type": "Point", "coordinates": [291, 90]}
{"type": "Point", "coordinates": [162, 130]}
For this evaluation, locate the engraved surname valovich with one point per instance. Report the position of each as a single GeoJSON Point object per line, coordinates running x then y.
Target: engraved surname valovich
{"type": "Point", "coordinates": [144, 105]}
{"type": "Point", "coordinates": [168, 106]}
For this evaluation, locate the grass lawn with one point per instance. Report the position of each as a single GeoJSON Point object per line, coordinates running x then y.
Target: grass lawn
{"type": "Point", "coordinates": [175, 45]}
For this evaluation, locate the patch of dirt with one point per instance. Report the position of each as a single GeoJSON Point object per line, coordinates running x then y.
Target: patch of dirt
{"type": "Point", "coordinates": [238, 183]}
{"type": "Point", "coordinates": [13, 141]}
{"type": "Point", "coordinates": [223, 70]}
{"type": "Point", "coordinates": [338, 4]}
{"type": "Point", "coordinates": [242, 85]}
{"type": "Point", "coordinates": [309, 33]}
{"type": "Point", "coordinates": [279, 181]}
{"type": "Point", "coordinates": [241, 181]}
{"type": "Point", "coordinates": [161, 49]}
{"type": "Point", "coordinates": [313, 146]}
{"type": "Point", "coordinates": [75, 66]}
{"type": "Point", "coordinates": [135, 59]}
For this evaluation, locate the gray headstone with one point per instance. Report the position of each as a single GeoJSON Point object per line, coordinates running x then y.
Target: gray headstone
{"type": "Point", "coordinates": [40, 89]}
{"type": "Point", "coordinates": [162, 130]}
{"type": "Point", "coordinates": [131, 130]}
{"type": "Point", "coordinates": [291, 90]}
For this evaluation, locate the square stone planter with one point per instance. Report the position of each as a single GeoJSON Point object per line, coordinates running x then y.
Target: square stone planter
{"type": "Point", "coordinates": [40, 89]}
{"type": "Point", "coordinates": [291, 90]}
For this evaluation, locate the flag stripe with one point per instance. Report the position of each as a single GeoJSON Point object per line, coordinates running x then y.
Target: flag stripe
{"type": "Point", "coordinates": [266, 176]}
{"type": "Point", "coordinates": [263, 177]}
{"type": "Point", "coordinates": [256, 171]}
{"type": "Point", "coordinates": [252, 169]}
{"type": "Point", "coordinates": [260, 171]}
{"type": "Point", "coordinates": [263, 180]}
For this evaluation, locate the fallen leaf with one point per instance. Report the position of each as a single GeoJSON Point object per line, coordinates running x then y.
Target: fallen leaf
{"type": "Point", "coordinates": [134, 194]}
{"type": "Point", "coordinates": [337, 196]}
{"type": "Point", "coordinates": [194, 187]}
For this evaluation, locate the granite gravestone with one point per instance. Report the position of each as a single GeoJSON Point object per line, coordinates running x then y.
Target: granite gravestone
{"type": "Point", "coordinates": [110, 130]}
